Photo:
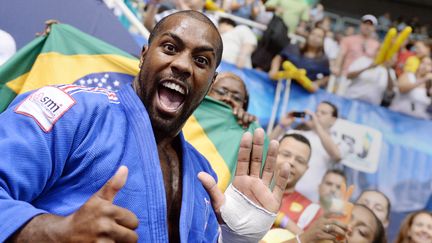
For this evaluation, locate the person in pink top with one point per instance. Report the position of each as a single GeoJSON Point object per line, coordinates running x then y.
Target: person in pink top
{"type": "Point", "coordinates": [355, 46]}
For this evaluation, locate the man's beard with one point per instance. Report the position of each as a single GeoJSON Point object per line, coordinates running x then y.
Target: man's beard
{"type": "Point", "coordinates": [165, 126]}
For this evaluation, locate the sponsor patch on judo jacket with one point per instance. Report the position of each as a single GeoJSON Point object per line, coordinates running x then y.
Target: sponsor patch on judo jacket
{"type": "Point", "coordinates": [46, 106]}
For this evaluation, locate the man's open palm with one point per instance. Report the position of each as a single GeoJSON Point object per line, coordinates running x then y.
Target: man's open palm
{"type": "Point", "coordinates": [248, 178]}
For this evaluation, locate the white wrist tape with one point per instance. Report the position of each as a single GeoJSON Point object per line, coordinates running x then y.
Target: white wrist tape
{"type": "Point", "coordinates": [243, 216]}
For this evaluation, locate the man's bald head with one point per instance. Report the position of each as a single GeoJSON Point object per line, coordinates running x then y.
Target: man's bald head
{"type": "Point", "coordinates": [190, 14]}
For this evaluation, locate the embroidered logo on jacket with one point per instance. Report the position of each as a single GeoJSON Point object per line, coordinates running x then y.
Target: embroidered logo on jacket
{"type": "Point", "coordinates": [46, 106]}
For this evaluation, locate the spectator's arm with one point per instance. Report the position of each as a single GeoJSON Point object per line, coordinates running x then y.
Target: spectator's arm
{"type": "Point", "coordinates": [181, 5]}
{"type": "Point", "coordinates": [337, 68]}
{"type": "Point", "coordinates": [149, 19]}
{"type": "Point", "coordinates": [355, 74]}
{"type": "Point", "coordinates": [245, 53]}
{"type": "Point", "coordinates": [406, 86]}
{"type": "Point", "coordinates": [272, 5]}
{"type": "Point", "coordinates": [321, 82]}
{"type": "Point", "coordinates": [328, 144]}
{"type": "Point", "coordinates": [235, 6]}
{"type": "Point", "coordinates": [390, 84]}
{"type": "Point", "coordinates": [275, 66]}
{"type": "Point", "coordinates": [285, 122]}
{"type": "Point", "coordinates": [326, 140]}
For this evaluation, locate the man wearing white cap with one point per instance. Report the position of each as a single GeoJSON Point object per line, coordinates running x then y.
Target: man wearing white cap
{"type": "Point", "coordinates": [355, 46]}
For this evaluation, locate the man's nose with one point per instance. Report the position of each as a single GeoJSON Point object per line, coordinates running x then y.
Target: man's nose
{"type": "Point", "coordinates": [182, 64]}
{"type": "Point", "coordinates": [228, 100]}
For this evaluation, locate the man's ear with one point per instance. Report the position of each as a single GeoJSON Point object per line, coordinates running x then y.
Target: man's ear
{"type": "Point", "coordinates": [214, 78]}
{"type": "Point", "coordinates": [143, 53]}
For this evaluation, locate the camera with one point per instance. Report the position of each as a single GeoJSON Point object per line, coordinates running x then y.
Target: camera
{"type": "Point", "coordinates": [299, 114]}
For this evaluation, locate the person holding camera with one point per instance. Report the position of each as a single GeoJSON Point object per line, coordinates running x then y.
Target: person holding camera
{"type": "Point", "coordinates": [325, 152]}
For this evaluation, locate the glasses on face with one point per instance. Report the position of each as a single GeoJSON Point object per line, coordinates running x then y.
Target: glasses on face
{"type": "Point", "coordinates": [236, 97]}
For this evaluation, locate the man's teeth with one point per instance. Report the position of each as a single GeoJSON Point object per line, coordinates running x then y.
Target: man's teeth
{"type": "Point", "coordinates": [174, 86]}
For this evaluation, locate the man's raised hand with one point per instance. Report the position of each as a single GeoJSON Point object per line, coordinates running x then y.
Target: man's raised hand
{"type": "Point", "coordinates": [248, 179]}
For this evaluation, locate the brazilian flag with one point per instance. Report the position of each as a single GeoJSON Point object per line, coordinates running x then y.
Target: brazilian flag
{"type": "Point", "coordinates": [213, 130]}
{"type": "Point", "coordinates": [63, 56]}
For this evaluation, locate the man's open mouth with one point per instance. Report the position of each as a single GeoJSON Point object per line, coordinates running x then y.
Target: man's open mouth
{"type": "Point", "coordinates": [171, 95]}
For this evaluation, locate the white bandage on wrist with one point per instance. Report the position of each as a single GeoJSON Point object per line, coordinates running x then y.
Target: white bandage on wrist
{"type": "Point", "coordinates": [244, 217]}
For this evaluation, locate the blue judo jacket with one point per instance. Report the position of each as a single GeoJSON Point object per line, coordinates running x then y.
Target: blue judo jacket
{"type": "Point", "coordinates": [60, 144]}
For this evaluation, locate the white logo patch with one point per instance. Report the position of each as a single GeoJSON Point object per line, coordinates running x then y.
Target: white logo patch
{"type": "Point", "coordinates": [46, 106]}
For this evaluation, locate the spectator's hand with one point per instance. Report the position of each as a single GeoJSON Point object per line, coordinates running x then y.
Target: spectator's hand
{"type": "Point", "coordinates": [243, 118]}
{"type": "Point", "coordinates": [287, 120]}
{"type": "Point", "coordinates": [313, 122]}
{"type": "Point", "coordinates": [279, 10]}
{"type": "Point", "coordinates": [336, 71]}
{"type": "Point", "coordinates": [324, 229]}
{"type": "Point", "coordinates": [248, 179]}
{"type": "Point", "coordinates": [373, 65]}
{"type": "Point", "coordinates": [428, 76]}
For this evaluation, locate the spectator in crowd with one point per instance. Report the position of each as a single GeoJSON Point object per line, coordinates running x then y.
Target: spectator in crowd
{"type": "Point", "coordinates": [378, 202]}
{"type": "Point", "coordinates": [291, 11]}
{"type": "Point", "coordinates": [325, 153]}
{"type": "Point", "coordinates": [331, 46]}
{"type": "Point", "coordinates": [410, 55]}
{"type": "Point", "coordinates": [317, 13]}
{"type": "Point", "coordinates": [310, 57]}
{"type": "Point", "coordinates": [349, 31]}
{"type": "Point", "coordinates": [413, 98]}
{"type": "Point", "coordinates": [355, 46]}
{"type": "Point", "coordinates": [384, 23]}
{"type": "Point", "coordinates": [7, 46]}
{"type": "Point", "coordinates": [239, 42]}
{"type": "Point", "coordinates": [416, 228]}
{"type": "Point", "coordinates": [400, 23]}
{"type": "Point", "coordinates": [230, 89]}
{"type": "Point", "coordinates": [406, 51]}
{"type": "Point", "coordinates": [295, 150]}
{"type": "Point", "coordinates": [154, 14]}
{"type": "Point", "coordinates": [58, 187]}
{"type": "Point", "coordinates": [247, 9]}
{"type": "Point", "coordinates": [363, 226]}
{"type": "Point", "coordinates": [330, 187]}
{"type": "Point", "coordinates": [370, 82]}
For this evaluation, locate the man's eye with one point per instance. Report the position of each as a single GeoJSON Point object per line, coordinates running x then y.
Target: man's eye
{"type": "Point", "coordinates": [202, 60]}
{"type": "Point", "coordinates": [169, 47]}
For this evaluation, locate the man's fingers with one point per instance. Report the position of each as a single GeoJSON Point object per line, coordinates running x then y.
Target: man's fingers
{"type": "Point", "coordinates": [281, 181]}
{"type": "Point", "coordinates": [113, 186]}
{"type": "Point", "coordinates": [216, 196]}
{"type": "Point", "coordinates": [124, 217]}
{"type": "Point", "coordinates": [244, 154]}
{"type": "Point", "coordinates": [123, 234]}
{"type": "Point", "coordinates": [270, 162]}
{"type": "Point", "coordinates": [257, 152]}
{"type": "Point", "coordinates": [240, 115]}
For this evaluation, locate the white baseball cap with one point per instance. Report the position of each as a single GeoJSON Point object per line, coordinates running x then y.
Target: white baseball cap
{"type": "Point", "coordinates": [371, 18]}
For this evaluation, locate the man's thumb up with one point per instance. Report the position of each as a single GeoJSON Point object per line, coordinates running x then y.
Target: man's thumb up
{"type": "Point", "coordinates": [114, 185]}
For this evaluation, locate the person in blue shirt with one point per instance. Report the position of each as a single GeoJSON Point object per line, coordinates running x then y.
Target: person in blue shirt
{"type": "Point", "coordinates": [310, 57]}
{"type": "Point", "coordinates": [80, 164]}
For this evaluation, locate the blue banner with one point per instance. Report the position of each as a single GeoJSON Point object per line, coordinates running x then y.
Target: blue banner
{"type": "Point", "coordinates": [405, 168]}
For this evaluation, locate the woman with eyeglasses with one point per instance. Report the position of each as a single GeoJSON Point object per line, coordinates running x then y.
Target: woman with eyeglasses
{"type": "Point", "coordinates": [230, 89]}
